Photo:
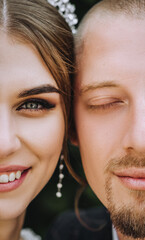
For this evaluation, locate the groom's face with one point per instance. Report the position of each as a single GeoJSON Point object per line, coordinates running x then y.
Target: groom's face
{"type": "Point", "coordinates": [109, 109]}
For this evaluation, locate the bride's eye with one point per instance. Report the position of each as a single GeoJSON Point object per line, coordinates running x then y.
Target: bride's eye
{"type": "Point", "coordinates": [32, 105]}
{"type": "Point", "coordinates": [35, 105]}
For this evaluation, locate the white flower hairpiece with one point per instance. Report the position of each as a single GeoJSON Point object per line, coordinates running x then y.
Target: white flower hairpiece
{"type": "Point", "coordinates": [67, 10]}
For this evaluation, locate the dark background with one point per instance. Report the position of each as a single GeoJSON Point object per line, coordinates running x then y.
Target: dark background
{"type": "Point", "coordinates": [46, 206]}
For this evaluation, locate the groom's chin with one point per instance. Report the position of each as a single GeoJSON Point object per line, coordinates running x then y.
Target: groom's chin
{"type": "Point", "coordinates": [129, 222]}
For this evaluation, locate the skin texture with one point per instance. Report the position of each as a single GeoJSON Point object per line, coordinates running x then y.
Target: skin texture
{"type": "Point", "coordinates": [109, 110]}
{"type": "Point", "coordinates": [29, 137]}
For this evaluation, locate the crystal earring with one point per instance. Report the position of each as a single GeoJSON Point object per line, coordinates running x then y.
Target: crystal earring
{"type": "Point", "coordinates": [61, 176]}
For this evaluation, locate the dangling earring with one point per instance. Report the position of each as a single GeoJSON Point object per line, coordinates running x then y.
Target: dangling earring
{"type": "Point", "coordinates": [61, 176]}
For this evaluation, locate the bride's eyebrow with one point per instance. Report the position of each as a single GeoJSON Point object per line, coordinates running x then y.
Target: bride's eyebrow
{"type": "Point", "coordinates": [38, 90]}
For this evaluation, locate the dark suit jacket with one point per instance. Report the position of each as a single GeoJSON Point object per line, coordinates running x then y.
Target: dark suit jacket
{"type": "Point", "coordinates": [68, 227]}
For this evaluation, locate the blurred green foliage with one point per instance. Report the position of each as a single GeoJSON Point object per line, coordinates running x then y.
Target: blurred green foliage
{"type": "Point", "coordinates": [45, 207]}
{"type": "Point", "coordinates": [82, 6]}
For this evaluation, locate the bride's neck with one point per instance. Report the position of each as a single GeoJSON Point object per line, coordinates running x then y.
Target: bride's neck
{"type": "Point", "coordinates": [10, 229]}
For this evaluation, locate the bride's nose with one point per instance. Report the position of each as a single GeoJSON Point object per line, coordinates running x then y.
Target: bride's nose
{"type": "Point", "coordinates": [9, 142]}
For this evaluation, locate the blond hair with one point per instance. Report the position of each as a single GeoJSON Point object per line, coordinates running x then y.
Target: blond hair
{"type": "Point", "coordinates": [107, 8]}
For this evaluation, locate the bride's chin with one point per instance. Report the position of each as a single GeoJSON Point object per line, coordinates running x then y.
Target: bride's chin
{"type": "Point", "coordinates": [11, 212]}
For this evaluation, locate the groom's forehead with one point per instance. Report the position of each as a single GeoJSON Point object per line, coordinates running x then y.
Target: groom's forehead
{"type": "Point", "coordinates": [107, 11]}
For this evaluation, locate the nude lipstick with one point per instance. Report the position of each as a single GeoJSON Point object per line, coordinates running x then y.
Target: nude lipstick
{"type": "Point", "coordinates": [11, 177]}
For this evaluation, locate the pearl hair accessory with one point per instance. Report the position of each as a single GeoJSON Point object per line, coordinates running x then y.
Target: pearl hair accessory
{"type": "Point", "coordinates": [66, 9]}
{"type": "Point", "coordinates": [61, 176]}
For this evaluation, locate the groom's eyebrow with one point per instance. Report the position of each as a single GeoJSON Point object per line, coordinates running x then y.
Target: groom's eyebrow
{"type": "Point", "coordinates": [94, 86]}
{"type": "Point", "coordinates": [38, 90]}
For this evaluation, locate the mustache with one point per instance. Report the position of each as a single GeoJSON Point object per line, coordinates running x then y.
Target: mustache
{"type": "Point", "coordinates": [127, 161]}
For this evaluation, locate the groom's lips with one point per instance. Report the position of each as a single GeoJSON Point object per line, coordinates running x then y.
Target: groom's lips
{"type": "Point", "coordinates": [132, 178]}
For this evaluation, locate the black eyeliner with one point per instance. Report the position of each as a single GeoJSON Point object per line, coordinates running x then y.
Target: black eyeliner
{"type": "Point", "coordinates": [45, 104]}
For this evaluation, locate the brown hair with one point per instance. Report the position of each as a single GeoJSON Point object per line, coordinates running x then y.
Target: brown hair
{"type": "Point", "coordinates": [38, 23]}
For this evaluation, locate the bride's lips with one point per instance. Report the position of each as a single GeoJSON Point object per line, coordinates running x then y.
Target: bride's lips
{"type": "Point", "coordinates": [132, 178]}
{"type": "Point", "coordinates": [12, 168]}
{"type": "Point", "coordinates": [11, 185]}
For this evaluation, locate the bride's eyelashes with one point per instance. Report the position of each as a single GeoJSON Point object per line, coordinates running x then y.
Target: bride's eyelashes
{"type": "Point", "coordinates": [35, 104]}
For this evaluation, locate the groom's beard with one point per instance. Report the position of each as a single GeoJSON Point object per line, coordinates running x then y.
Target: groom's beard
{"type": "Point", "coordinates": [129, 219]}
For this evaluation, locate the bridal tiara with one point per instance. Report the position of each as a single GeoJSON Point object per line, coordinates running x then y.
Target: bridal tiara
{"type": "Point", "coordinates": [67, 10]}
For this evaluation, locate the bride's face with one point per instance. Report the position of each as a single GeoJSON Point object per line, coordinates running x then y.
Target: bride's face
{"type": "Point", "coordinates": [31, 126]}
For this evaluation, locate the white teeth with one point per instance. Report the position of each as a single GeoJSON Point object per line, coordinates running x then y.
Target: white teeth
{"type": "Point", "coordinates": [18, 175]}
{"type": "Point", "coordinates": [12, 177]}
{"type": "Point", "coordinates": [4, 178]}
